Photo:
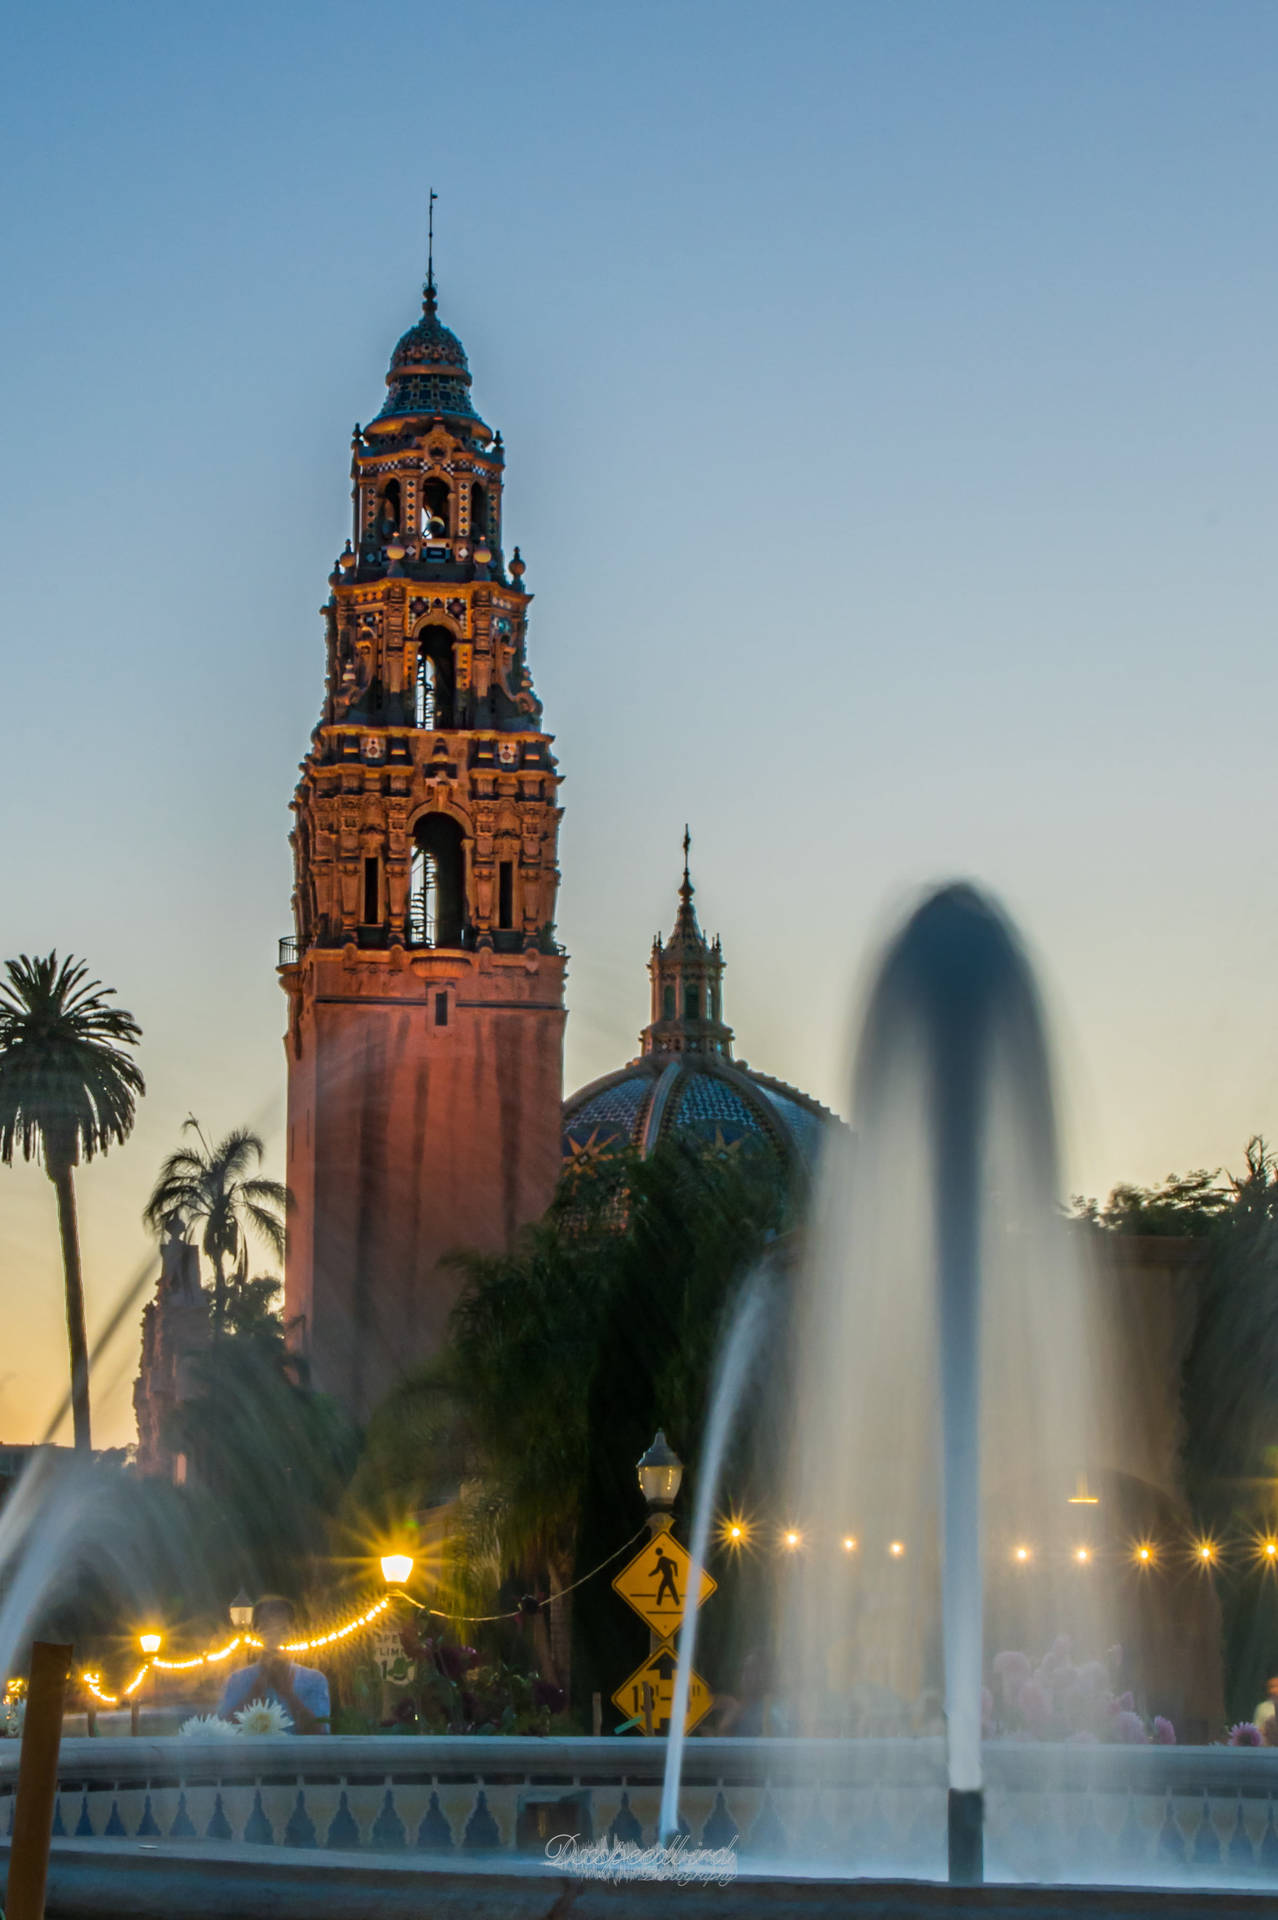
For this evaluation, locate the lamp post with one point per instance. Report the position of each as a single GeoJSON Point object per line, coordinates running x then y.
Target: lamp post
{"type": "Point", "coordinates": [660, 1472]}
{"type": "Point", "coordinates": [241, 1612]}
{"type": "Point", "coordinates": [397, 1569]}
{"type": "Point", "coordinates": [150, 1642]}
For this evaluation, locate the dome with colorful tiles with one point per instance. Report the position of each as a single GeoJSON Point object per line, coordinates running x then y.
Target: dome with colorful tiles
{"type": "Point", "coordinates": [685, 1084]}
{"type": "Point", "coordinates": [428, 370]}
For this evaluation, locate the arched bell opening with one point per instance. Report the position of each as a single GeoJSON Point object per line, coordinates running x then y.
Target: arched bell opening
{"type": "Point", "coordinates": [437, 883]}
{"type": "Point", "coordinates": [437, 509]}
{"type": "Point", "coordinates": [389, 511]}
{"type": "Point", "coordinates": [478, 513]}
{"type": "Point", "coordinates": [435, 705]}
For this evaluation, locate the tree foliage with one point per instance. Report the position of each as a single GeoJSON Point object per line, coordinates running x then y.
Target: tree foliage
{"type": "Point", "coordinates": [1229, 1385]}
{"type": "Point", "coordinates": [69, 1089]}
{"type": "Point", "coordinates": [216, 1189]}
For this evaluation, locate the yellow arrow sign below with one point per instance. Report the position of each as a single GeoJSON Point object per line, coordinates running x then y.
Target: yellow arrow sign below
{"type": "Point", "coordinates": [658, 1674]}
{"type": "Point", "coordinates": [655, 1582]}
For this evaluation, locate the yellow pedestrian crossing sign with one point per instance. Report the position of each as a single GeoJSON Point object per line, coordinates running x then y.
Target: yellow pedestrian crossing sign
{"type": "Point", "coordinates": [657, 1674]}
{"type": "Point", "coordinates": [655, 1582]}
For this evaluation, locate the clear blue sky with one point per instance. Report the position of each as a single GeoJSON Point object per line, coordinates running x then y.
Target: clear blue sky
{"type": "Point", "coordinates": [890, 405]}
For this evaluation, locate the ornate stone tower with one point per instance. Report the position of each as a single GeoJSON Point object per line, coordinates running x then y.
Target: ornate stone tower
{"type": "Point", "coordinates": [426, 1015]}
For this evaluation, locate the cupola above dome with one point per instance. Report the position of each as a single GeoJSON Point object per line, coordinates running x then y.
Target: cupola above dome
{"type": "Point", "coordinates": [428, 373]}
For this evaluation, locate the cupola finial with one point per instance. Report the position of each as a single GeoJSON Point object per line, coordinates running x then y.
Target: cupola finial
{"type": "Point", "coordinates": [686, 889]}
{"type": "Point", "coordinates": [428, 291]}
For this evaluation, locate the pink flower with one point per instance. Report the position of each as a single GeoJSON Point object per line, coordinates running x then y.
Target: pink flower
{"type": "Point", "coordinates": [1164, 1732]}
{"type": "Point", "coordinates": [1125, 1703]}
{"type": "Point", "coordinates": [1129, 1728]}
{"type": "Point", "coordinates": [1032, 1701]}
{"type": "Point", "coordinates": [1246, 1734]}
{"type": "Point", "coordinates": [1011, 1668]}
{"type": "Point", "coordinates": [1093, 1675]}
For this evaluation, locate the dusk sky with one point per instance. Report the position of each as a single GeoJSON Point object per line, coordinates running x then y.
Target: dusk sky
{"type": "Point", "coordinates": [892, 430]}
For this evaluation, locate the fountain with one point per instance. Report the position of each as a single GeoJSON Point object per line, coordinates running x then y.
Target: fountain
{"type": "Point", "coordinates": [950, 1392]}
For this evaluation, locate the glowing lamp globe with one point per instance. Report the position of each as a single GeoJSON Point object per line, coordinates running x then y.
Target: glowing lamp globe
{"type": "Point", "coordinates": [241, 1611]}
{"type": "Point", "coordinates": [397, 1568]}
{"type": "Point", "coordinates": [660, 1472]}
{"type": "Point", "coordinates": [150, 1642]}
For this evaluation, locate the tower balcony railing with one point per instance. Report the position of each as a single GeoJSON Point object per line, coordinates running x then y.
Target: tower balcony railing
{"type": "Point", "coordinates": [290, 951]}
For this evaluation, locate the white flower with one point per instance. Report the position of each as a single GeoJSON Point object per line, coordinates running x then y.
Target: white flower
{"type": "Point", "coordinates": [263, 1716]}
{"type": "Point", "coordinates": [207, 1726]}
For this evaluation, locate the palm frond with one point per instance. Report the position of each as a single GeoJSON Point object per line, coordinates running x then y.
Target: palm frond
{"type": "Point", "coordinates": [68, 1087]}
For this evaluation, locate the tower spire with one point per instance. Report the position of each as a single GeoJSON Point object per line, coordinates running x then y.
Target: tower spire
{"type": "Point", "coordinates": [687, 973]}
{"type": "Point", "coordinates": [428, 291]}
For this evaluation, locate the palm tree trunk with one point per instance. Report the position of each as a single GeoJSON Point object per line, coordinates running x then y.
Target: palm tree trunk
{"type": "Point", "coordinates": [560, 1610]}
{"type": "Point", "coordinates": [77, 1337]}
{"type": "Point", "coordinates": [219, 1295]}
{"type": "Point", "coordinates": [542, 1649]}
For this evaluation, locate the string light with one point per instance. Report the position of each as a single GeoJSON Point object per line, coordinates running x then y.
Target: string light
{"type": "Point", "coordinates": [736, 1531]}
{"type": "Point", "coordinates": [339, 1633]}
{"type": "Point", "coordinates": [792, 1538]}
{"type": "Point", "coordinates": [1082, 1555]}
{"type": "Point", "coordinates": [1144, 1555]}
{"type": "Point", "coordinates": [849, 1543]}
{"type": "Point", "coordinates": [1021, 1555]}
{"type": "Point", "coordinates": [206, 1659]}
{"type": "Point", "coordinates": [896, 1548]}
{"type": "Point", "coordinates": [93, 1680]}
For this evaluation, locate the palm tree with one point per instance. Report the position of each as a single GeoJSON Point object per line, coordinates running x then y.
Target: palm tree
{"type": "Point", "coordinates": [68, 1090]}
{"type": "Point", "coordinates": [217, 1185]}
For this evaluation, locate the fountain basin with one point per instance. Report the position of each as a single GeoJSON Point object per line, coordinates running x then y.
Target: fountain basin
{"type": "Point", "coordinates": [791, 1809]}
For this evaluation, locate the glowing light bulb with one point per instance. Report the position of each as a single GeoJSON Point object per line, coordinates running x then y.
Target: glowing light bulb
{"type": "Point", "coordinates": [1271, 1549]}
{"type": "Point", "coordinates": [793, 1538]}
{"type": "Point", "coordinates": [1022, 1554]}
{"type": "Point", "coordinates": [150, 1642]}
{"type": "Point", "coordinates": [1205, 1551]}
{"type": "Point", "coordinates": [1082, 1555]}
{"type": "Point", "coordinates": [896, 1548]}
{"type": "Point", "coordinates": [734, 1531]}
{"type": "Point", "coordinates": [849, 1543]}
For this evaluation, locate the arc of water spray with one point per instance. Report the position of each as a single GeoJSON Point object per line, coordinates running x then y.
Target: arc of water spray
{"type": "Point", "coordinates": [730, 1379]}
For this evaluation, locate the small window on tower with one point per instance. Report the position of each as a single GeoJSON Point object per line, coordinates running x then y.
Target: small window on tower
{"type": "Point", "coordinates": [667, 1003]}
{"type": "Point", "coordinates": [441, 1009]}
{"type": "Point", "coordinates": [372, 909]}
{"type": "Point", "coordinates": [692, 1003]}
{"type": "Point", "coordinates": [478, 513]}
{"type": "Point", "coordinates": [506, 895]}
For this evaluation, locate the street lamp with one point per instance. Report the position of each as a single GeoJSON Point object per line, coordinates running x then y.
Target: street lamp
{"type": "Point", "coordinates": [150, 1642]}
{"type": "Point", "coordinates": [397, 1569]}
{"type": "Point", "coordinates": [241, 1611]}
{"type": "Point", "coordinates": [660, 1471]}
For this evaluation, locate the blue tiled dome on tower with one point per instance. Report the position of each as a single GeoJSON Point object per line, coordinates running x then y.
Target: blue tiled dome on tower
{"type": "Point", "coordinates": [685, 1083]}
{"type": "Point", "coordinates": [428, 371]}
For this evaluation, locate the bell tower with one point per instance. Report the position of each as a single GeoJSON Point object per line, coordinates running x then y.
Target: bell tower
{"type": "Point", "coordinates": [424, 983]}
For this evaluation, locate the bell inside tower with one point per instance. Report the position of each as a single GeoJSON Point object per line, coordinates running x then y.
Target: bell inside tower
{"type": "Point", "coordinates": [436, 509]}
